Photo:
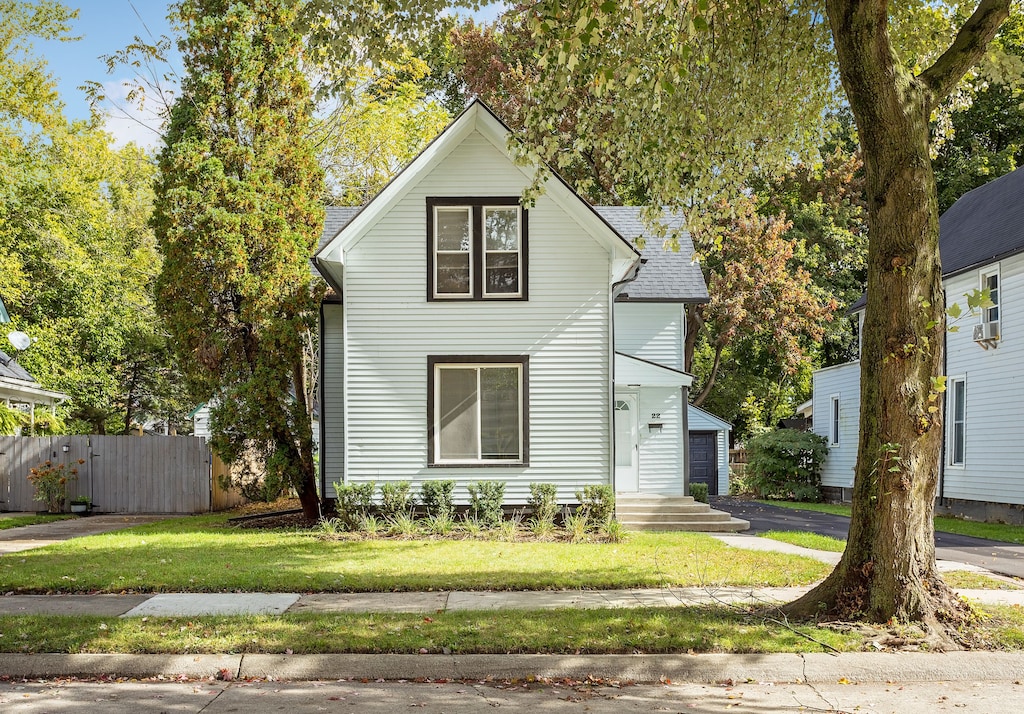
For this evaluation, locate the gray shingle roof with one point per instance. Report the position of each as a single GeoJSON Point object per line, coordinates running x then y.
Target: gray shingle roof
{"type": "Point", "coordinates": [983, 225]}
{"type": "Point", "coordinates": [337, 218]}
{"type": "Point", "coordinates": [665, 275]}
{"type": "Point", "coordinates": [12, 370]}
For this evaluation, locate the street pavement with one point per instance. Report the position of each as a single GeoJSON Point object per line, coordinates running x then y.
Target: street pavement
{"type": "Point", "coordinates": [996, 556]}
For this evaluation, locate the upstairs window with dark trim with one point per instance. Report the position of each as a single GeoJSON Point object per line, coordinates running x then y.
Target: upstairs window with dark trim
{"type": "Point", "coordinates": [476, 249]}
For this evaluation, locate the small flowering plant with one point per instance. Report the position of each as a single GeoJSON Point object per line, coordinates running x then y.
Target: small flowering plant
{"type": "Point", "coordinates": [51, 483]}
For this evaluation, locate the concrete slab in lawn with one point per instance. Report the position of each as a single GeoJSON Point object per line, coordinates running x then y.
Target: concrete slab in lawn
{"type": "Point", "coordinates": [371, 602]}
{"type": "Point", "coordinates": [189, 604]}
{"type": "Point", "coordinates": [102, 605]}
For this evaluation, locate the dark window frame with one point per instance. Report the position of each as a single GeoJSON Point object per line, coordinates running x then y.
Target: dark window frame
{"type": "Point", "coordinates": [477, 256]}
{"type": "Point", "coordinates": [478, 361]}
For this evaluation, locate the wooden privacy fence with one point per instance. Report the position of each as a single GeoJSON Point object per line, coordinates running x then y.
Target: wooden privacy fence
{"type": "Point", "coordinates": [119, 474]}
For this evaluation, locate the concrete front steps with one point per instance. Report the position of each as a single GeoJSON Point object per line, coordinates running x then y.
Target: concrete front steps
{"type": "Point", "coordinates": [653, 512]}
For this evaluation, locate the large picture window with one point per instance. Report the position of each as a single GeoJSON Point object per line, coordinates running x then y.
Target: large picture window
{"type": "Point", "coordinates": [476, 249]}
{"type": "Point", "coordinates": [477, 410]}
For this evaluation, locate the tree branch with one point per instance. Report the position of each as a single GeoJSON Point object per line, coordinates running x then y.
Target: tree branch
{"type": "Point", "coordinates": [966, 50]}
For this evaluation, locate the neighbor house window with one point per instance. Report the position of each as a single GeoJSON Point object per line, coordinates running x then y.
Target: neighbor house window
{"type": "Point", "coordinates": [476, 249]}
{"type": "Point", "coordinates": [990, 282]}
{"type": "Point", "coordinates": [957, 446]}
{"type": "Point", "coordinates": [477, 410]}
{"type": "Point", "coordinates": [833, 424]}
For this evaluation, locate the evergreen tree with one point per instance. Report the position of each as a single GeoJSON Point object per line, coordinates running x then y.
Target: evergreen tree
{"type": "Point", "coordinates": [238, 212]}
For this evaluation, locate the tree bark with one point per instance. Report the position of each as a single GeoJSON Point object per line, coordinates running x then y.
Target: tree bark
{"type": "Point", "coordinates": [888, 569]}
{"type": "Point", "coordinates": [303, 441]}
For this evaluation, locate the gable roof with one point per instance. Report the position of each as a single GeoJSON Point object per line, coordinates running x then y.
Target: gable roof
{"type": "Point", "coordinates": [476, 117]}
{"type": "Point", "coordinates": [984, 225]}
{"type": "Point", "coordinates": [9, 369]}
{"type": "Point", "coordinates": [664, 275]}
{"type": "Point", "coordinates": [18, 385]}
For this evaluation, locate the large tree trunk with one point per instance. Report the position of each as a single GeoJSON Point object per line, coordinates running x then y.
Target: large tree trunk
{"type": "Point", "coordinates": [888, 570]}
{"type": "Point", "coordinates": [306, 486]}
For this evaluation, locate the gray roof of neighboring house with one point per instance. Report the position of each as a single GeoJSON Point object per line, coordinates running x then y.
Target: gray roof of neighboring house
{"type": "Point", "coordinates": [12, 370]}
{"type": "Point", "coordinates": [981, 227]}
{"type": "Point", "coordinates": [665, 275]}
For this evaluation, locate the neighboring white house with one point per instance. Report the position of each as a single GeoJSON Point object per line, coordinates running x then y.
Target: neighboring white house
{"type": "Point", "coordinates": [18, 388]}
{"type": "Point", "coordinates": [981, 240]}
{"type": "Point", "coordinates": [471, 338]}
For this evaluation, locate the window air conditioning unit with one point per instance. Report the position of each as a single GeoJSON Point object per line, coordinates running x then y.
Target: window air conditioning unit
{"type": "Point", "coordinates": [986, 331]}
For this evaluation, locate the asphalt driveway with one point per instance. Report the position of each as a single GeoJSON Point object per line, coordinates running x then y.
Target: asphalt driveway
{"type": "Point", "coordinates": [997, 556]}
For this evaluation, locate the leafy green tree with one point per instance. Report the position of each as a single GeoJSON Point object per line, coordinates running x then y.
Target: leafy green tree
{"type": "Point", "coordinates": [238, 212]}
{"type": "Point", "coordinates": [77, 262]}
{"type": "Point", "coordinates": [988, 134]}
{"type": "Point", "coordinates": [379, 126]}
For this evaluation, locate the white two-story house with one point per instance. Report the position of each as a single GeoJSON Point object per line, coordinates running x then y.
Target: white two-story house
{"type": "Point", "coordinates": [981, 241]}
{"type": "Point", "coordinates": [471, 337]}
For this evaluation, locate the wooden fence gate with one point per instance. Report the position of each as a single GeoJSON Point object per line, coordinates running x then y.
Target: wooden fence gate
{"type": "Point", "coordinates": [120, 474]}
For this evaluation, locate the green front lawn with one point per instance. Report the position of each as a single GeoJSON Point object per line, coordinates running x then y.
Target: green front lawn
{"type": "Point", "coordinates": [807, 540]}
{"type": "Point", "coordinates": [945, 524]}
{"type": "Point", "coordinates": [204, 554]}
{"type": "Point", "coordinates": [645, 630]}
{"type": "Point", "coordinates": [649, 630]}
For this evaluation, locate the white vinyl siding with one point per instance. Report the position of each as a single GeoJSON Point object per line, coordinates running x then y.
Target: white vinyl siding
{"type": "Point", "coordinates": [994, 447]}
{"type": "Point", "coordinates": [651, 331]}
{"type": "Point", "coordinates": [332, 400]}
{"type": "Point", "coordinates": [838, 385]}
{"type": "Point", "coordinates": [564, 328]}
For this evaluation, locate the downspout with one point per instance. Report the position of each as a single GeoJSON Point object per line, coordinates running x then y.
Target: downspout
{"type": "Point", "coordinates": [321, 425]}
{"type": "Point", "coordinates": [612, 292]}
{"type": "Point", "coordinates": [685, 421]}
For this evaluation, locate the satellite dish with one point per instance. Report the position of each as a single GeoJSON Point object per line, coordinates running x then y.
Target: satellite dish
{"type": "Point", "coordinates": [20, 340]}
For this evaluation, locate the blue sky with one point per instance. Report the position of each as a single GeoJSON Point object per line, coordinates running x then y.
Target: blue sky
{"type": "Point", "coordinates": [105, 26]}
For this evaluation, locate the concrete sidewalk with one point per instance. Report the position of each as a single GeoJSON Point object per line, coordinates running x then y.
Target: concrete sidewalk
{"type": "Point", "coordinates": [15, 540]}
{"type": "Point", "coordinates": [812, 668]}
{"type": "Point", "coordinates": [200, 604]}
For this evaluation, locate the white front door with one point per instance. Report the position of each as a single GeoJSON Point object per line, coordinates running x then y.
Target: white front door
{"type": "Point", "coordinates": [627, 444]}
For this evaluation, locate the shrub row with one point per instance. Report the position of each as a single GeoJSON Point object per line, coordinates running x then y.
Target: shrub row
{"type": "Point", "coordinates": [356, 502]}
